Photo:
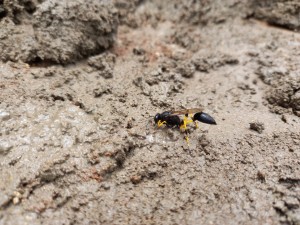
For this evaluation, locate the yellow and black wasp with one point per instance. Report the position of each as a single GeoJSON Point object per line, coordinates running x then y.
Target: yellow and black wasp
{"type": "Point", "coordinates": [172, 119]}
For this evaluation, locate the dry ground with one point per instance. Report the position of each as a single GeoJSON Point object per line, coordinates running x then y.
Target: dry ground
{"type": "Point", "coordinates": [78, 144]}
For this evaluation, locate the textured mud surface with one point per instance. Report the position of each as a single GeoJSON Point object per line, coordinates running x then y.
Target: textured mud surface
{"type": "Point", "coordinates": [78, 144]}
{"type": "Point", "coordinates": [54, 30]}
{"type": "Point", "coordinates": [283, 13]}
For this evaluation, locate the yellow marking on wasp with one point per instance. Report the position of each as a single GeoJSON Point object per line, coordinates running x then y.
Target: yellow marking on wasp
{"type": "Point", "coordinates": [186, 121]}
{"type": "Point", "coordinates": [159, 123]}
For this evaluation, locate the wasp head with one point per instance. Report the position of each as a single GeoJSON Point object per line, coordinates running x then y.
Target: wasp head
{"type": "Point", "coordinates": [157, 117]}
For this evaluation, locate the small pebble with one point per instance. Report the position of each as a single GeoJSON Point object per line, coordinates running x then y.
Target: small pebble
{"type": "Point", "coordinates": [5, 147]}
{"type": "Point", "coordinates": [16, 200]}
{"type": "Point", "coordinates": [257, 126]}
{"type": "Point", "coordinates": [4, 116]}
{"type": "Point", "coordinates": [136, 179]}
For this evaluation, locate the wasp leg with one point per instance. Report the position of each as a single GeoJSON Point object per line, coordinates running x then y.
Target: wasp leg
{"type": "Point", "coordinates": [196, 125]}
{"type": "Point", "coordinates": [159, 123]}
{"type": "Point", "coordinates": [183, 125]}
{"type": "Point", "coordinates": [185, 121]}
{"type": "Point", "coordinates": [191, 120]}
{"type": "Point", "coordinates": [187, 138]}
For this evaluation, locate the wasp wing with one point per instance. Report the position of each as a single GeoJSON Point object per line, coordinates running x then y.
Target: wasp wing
{"type": "Point", "coordinates": [186, 111]}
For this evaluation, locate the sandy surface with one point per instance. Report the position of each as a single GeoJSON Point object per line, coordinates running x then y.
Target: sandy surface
{"type": "Point", "coordinates": [80, 83]}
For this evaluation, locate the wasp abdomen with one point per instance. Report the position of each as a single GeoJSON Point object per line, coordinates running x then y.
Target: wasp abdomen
{"type": "Point", "coordinates": [204, 118]}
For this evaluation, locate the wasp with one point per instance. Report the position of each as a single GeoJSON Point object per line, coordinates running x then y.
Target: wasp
{"type": "Point", "coordinates": [172, 119]}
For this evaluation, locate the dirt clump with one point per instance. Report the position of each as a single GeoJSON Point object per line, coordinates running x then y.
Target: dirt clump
{"type": "Point", "coordinates": [103, 63]}
{"type": "Point", "coordinates": [283, 13]}
{"type": "Point", "coordinates": [56, 31]}
{"type": "Point", "coordinates": [281, 75]}
{"type": "Point", "coordinates": [285, 94]}
{"type": "Point", "coordinates": [257, 126]}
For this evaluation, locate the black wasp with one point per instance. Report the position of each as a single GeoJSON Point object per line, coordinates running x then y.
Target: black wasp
{"type": "Point", "coordinates": [172, 119]}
